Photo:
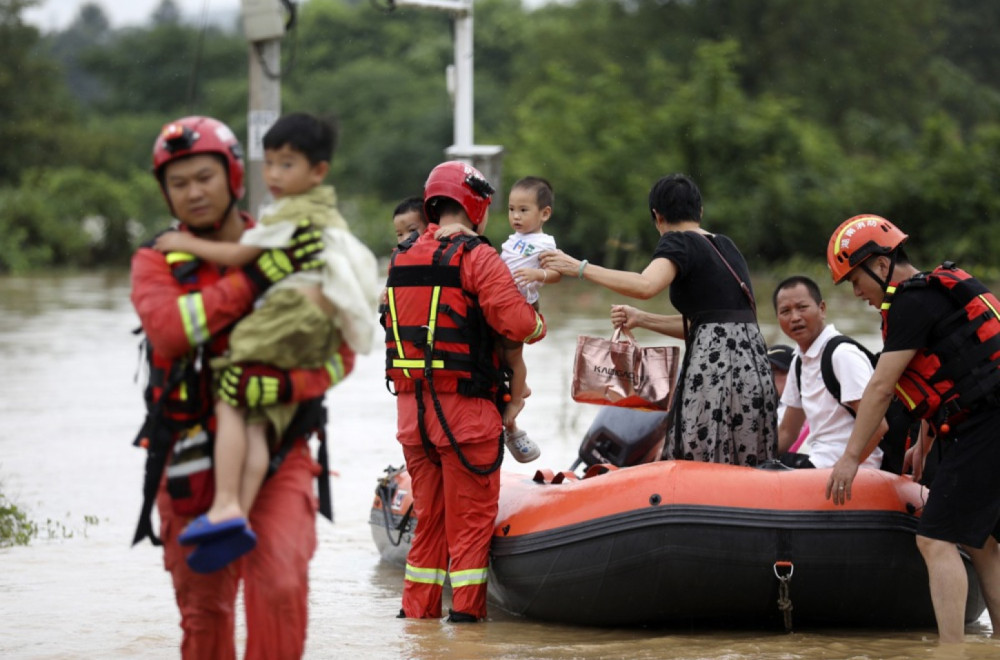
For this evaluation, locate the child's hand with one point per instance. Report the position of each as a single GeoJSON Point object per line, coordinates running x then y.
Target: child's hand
{"type": "Point", "coordinates": [525, 276]}
{"type": "Point", "coordinates": [172, 241]}
{"type": "Point", "coordinates": [452, 229]}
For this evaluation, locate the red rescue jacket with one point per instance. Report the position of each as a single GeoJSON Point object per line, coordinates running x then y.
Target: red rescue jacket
{"type": "Point", "coordinates": [187, 308]}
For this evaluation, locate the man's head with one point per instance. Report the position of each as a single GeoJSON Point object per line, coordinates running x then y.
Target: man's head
{"type": "Point", "coordinates": [457, 192]}
{"type": "Point", "coordinates": [865, 249]}
{"type": "Point", "coordinates": [199, 164]}
{"type": "Point", "coordinates": [529, 205]}
{"type": "Point", "coordinates": [800, 309]}
{"type": "Point", "coordinates": [675, 198]}
{"type": "Point", "coordinates": [297, 153]}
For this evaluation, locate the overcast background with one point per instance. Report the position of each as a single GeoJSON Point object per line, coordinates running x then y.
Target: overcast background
{"type": "Point", "coordinates": [53, 15]}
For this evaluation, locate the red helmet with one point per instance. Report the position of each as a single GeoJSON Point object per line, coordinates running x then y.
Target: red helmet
{"type": "Point", "coordinates": [859, 238]}
{"type": "Point", "coordinates": [200, 135]}
{"type": "Point", "coordinates": [462, 183]}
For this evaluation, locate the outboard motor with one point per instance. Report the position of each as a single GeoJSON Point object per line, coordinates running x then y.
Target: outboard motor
{"type": "Point", "coordinates": [623, 437]}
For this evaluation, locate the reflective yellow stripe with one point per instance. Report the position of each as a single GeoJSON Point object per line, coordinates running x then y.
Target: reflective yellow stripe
{"type": "Point", "coordinates": [403, 362]}
{"type": "Point", "coordinates": [192, 309]}
{"type": "Point", "coordinates": [907, 400]}
{"type": "Point", "coordinates": [425, 575]}
{"type": "Point", "coordinates": [468, 577]}
{"type": "Point", "coordinates": [391, 295]}
{"type": "Point", "coordinates": [335, 367]}
{"type": "Point", "coordinates": [416, 364]}
{"type": "Point", "coordinates": [890, 291]}
{"type": "Point", "coordinates": [987, 303]}
{"type": "Point", "coordinates": [179, 257]}
{"type": "Point", "coordinates": [432, 314]}
{"type": "Point", "coordinates": [537, 331]}
{"type": "Point", "coordinates": [840, 236]}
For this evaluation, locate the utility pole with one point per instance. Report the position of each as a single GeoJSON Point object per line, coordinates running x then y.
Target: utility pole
{"type": "Point", "coordinates": [264, 26]}
{"type": "Point", "coordinates": [485, 158]}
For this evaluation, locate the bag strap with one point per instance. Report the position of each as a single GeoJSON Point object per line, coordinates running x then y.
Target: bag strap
{"type": "Point", "coordinates": [743, 285]}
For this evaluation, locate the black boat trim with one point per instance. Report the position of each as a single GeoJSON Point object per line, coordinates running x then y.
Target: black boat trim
{"type": "Point", "coordinates": [683, 514]}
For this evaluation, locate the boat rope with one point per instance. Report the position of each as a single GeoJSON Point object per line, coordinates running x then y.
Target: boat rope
{"type": "Point", "coordinates": [784, 600]}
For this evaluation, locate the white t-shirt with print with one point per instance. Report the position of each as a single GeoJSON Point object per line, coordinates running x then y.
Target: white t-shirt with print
{"type": "Point", "coordinates": [521, 251]}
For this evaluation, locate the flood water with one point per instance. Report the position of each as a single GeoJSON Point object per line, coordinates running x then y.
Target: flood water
{"type": "Point", "coordinates": [69, 408]}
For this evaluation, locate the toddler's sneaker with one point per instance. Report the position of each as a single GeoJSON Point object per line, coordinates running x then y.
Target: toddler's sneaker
{"type": "Point", "coordinates": [521, 446]}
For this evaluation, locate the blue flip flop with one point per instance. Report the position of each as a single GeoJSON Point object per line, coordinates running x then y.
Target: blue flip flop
{"type": "Point", "coordinates": [202, 530]}
{"type": "Point", "coordinates": [210, 556]}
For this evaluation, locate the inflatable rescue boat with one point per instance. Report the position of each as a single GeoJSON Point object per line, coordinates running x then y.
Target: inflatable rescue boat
{"type": "Point", "coordinates": [684, 543]}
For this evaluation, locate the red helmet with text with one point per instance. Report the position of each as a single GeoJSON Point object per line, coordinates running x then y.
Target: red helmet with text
{"type": "Point", "coordinates": [190, 136]}
{"type": "Point", "coordinates": [858, 239]}
{"type": "Point", "coordinates": [464, 184]}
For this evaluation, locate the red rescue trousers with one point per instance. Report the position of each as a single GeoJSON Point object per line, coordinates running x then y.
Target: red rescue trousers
{"type": "Point", "coordinates": [275, 574]}
{"type": "Point", "coordinates": [456, 509]}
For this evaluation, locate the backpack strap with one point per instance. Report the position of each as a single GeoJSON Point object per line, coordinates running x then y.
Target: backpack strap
{"type": "Point", "coordinates": [826, 366]}
{"type": "Point", "coordinates": [830, 381]}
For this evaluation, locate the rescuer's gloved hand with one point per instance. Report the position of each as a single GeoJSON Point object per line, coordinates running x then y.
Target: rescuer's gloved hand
{"type": "Point", "coordinates": [302, 253]}
{"type": "Point", "coordinates": [254, 386]}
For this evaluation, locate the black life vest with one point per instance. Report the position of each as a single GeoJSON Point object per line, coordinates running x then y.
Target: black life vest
{"type": "Point", "coordinates": [960, 372]}
{"type": "Point", "coordinates": [434, 329]}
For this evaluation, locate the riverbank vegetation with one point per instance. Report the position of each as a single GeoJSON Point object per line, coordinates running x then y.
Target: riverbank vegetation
{"type": "Point", "coordinates": [15, 526]}
{"type": "Point", "coordinates": [791, 115]}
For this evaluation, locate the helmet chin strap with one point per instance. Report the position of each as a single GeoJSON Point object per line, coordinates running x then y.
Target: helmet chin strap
{"type": "Point", "coordinates": [215, 226]}
{"type": "Point", "coordinates": [884, 284]}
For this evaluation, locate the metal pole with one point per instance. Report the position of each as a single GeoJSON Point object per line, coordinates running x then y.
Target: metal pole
{"type": "Point", "coordinates": [264, 110]}
{"type": "Point", "coordinates": [463, 83]}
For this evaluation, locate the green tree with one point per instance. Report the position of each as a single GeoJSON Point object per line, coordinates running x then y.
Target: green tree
{"type": "Point", "coordinates": [34, 105]}
{"type": "Point", "coordinates": [170, 69]}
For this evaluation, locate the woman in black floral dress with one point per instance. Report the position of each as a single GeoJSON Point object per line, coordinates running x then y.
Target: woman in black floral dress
{"type": "Point", "coordinates": [725, 408]}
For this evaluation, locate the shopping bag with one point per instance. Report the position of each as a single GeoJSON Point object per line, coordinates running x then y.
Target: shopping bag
{"type": "Point", "coordinates": [619, 372]}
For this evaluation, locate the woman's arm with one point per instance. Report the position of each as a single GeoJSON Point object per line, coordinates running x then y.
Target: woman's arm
{"type": "Point", "coordinates": [629, 317]}
{"type": "Point", "coordinates": [656, 277]}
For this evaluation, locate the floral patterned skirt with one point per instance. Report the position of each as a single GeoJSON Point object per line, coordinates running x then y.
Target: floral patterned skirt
{"type": "Point", "coordinates": [725, 410]}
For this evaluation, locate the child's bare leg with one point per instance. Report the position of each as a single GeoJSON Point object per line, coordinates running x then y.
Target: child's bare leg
{"type": "Point", "coordinates": [518, 383]}
{"type": "Point", "coordinates": [255, 466]}
{"type": "Point", "coordinates": [230, 456]}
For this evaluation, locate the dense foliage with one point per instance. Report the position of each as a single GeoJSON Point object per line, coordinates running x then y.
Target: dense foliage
{"type": "Point", "coordinates": [791, 115]}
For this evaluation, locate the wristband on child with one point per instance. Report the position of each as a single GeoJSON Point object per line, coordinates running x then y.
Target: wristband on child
{"type": "Point", "coordinates": [583, 264]}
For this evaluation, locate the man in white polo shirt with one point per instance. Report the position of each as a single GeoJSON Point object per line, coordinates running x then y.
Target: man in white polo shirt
{"type": "Point", "coordinates": [801, 313]}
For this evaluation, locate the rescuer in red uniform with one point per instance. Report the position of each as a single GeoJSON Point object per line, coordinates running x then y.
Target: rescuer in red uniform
{"type": "Point", "coordinates": [448, 302]}
{"type": "Point", "coordinates": [187, 308]}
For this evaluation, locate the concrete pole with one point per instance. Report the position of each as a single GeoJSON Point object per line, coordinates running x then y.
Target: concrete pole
{"type": "Point", "coordinates": [463, 84]}
{"type": "Point", "coordinates": [264, 110]}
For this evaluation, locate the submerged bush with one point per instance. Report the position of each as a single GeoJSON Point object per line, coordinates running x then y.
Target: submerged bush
{"type": "Point", "coordinates": [15, 527]}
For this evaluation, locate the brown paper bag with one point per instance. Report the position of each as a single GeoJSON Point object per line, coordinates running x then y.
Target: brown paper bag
{"type": "Point", "coordinates": [619, 372]}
